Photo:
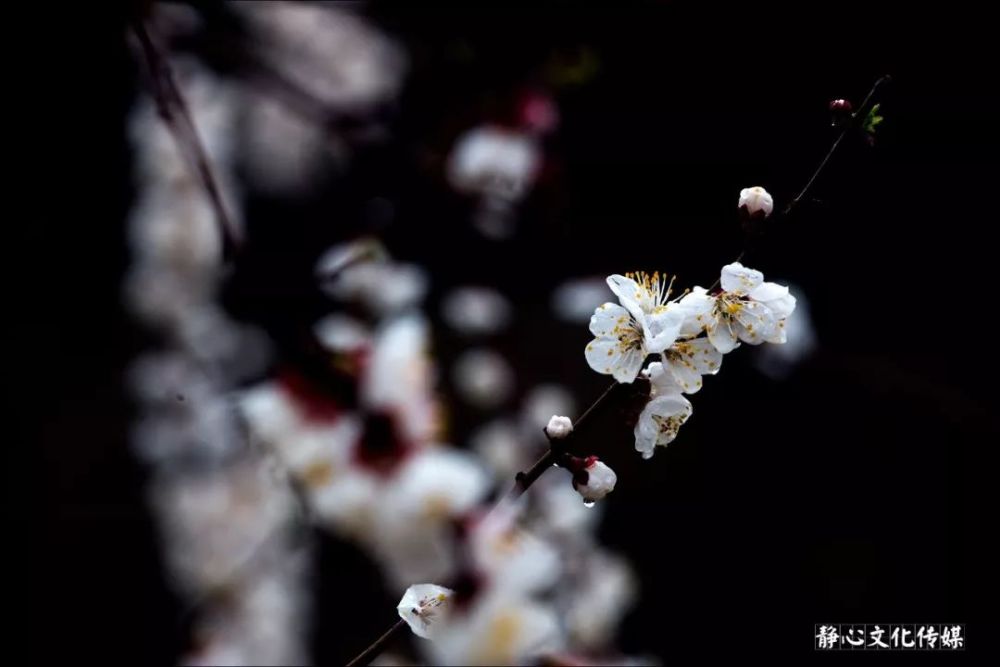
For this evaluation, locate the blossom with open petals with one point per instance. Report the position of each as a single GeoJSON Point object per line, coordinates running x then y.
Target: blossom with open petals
{"type": "Point", "coordinates": [747, 309]}
{"type": "Point", "coordinates": [664, 414]}
{"type": "Point", "coordinates": [645, 323]}
{"type": "Point", "coordinates": [423, 606]}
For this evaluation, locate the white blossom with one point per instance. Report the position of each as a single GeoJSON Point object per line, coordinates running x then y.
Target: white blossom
{"type": "Point", "coordinates": [645, 323]}
{"type": "Point", "coordinates": [423, 607]}
{"type": "Point", "coordinates": [757, 201]}
{"type": "Point", "coordinates": [559, 427]}
{"type": "Point", "coordinates": [600, 480]}
{"type": "Point", "coordinates": [664, 414]}
{"type": "Point", "coordinates": [748, 309]}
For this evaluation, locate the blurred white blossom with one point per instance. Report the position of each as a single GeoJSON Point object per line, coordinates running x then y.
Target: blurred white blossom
{"type": "Point", "coordinates": [483, 377]}
{"type": "Point", "coordinates": [476, 310]}
{"type": "Point", "coordinates": [494, 161]}
{"type": "Point", "coordinates": [575, 300]}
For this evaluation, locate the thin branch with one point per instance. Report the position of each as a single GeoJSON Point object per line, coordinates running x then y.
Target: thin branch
{"type": "Point", "coordinates": [850, 124]}
{"type": "Point", "coordinates": [174, 111]}
{"type": "Point", "coordinates": [522, 482]}
{"type": "Point", "coordinates": [376, 647]}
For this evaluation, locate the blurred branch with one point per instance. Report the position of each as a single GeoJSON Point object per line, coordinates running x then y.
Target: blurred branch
{"type": "Point", "coordinates": [173, 109]}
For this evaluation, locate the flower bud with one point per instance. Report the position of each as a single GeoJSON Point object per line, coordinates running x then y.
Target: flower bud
{"type": "Point", "coordinates": [594, 480]}
{"type": "Point", "coordinates": [559, 427]}
{"type": "Point", "coordinates": [840, 109]}
{"type": "Point", "coordinates": [756, 202]}
{"type": "Point", "coordinates": [840, 106]}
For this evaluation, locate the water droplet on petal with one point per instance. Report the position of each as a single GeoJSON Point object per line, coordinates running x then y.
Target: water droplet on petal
{"type": "Point", "coordinates": [588, 503]}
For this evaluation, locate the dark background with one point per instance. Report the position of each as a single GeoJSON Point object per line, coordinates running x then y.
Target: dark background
{"type": "Point", "coordinates": [853, 492]}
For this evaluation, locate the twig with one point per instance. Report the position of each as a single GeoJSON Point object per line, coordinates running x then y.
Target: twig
{"type": "Point", "coordinates": [848, 125]}
{"type": "Point", "coordinates": [174, 111]}
{"type": "Point", "coordinates": [376, 647]}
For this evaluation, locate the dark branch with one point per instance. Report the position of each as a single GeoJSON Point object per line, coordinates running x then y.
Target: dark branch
{"type": "Point", "coordinates": [173, 109]}
{"type": "Point", "coordinates": [850, 124]}
{"type": "Point", "coordinates": [376, 647]}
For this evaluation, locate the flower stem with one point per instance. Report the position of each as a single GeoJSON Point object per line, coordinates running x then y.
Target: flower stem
{"type": "Point", "coordinates": [524, 480]}
{"type": "Point", "coordinates": [376, 647]}
{"type": "Point", "coordinates": [173, 109]}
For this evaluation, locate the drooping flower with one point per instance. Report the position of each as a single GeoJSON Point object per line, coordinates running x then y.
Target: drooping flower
{"type": "Point", "coordinates": [594, 480]}
{"type": "Point", "coordinates": [645, 323]}
{"type": "Point", "coordinates": [664, 414]}
{"type": "Point", "coordinates": [747, 309]}
{"type": "Point", "coordinates": [423, 607]}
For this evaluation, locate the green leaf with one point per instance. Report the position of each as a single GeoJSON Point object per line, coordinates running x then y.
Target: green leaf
{"type": "Point", "coordinates": [872, 120]}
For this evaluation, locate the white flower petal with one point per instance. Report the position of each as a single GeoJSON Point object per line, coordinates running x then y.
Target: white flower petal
{"type": "Point", "coordinates": [722, 336]}
{"type": "Point", "coordinates": [603, 354]}
{"type": "Point", "coordinates": [661, 328]}
{"type": "Point", "coordinates": [697, 307]}
{"type": "Point", "coordinates": [610, 357]}
{"type": "Point", "coordinates": [632, 295]}
{"type": "Point", "coordinates": [607, 318]}
{"type": "Point", "coordinates": [645, 434]}
{"type": "Point", "coordinates": [738, 279]}
{"type": "Point", "coordinates": [782, 304]}
{"type": "Point", "coordinates": [779, 333]}
{"type": "Point", "coordinates": [685, 375]}
{"type": "Point", "coordinates": [630, 366]}
{"type": "Point", "coordinates": [754, 322]}
{"type": "Point", "coordinates": [703, 355]}
{"type": "Point", "coordinates": [767, 291]}
{"type": "Point", "coordinates": [659, 422]}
